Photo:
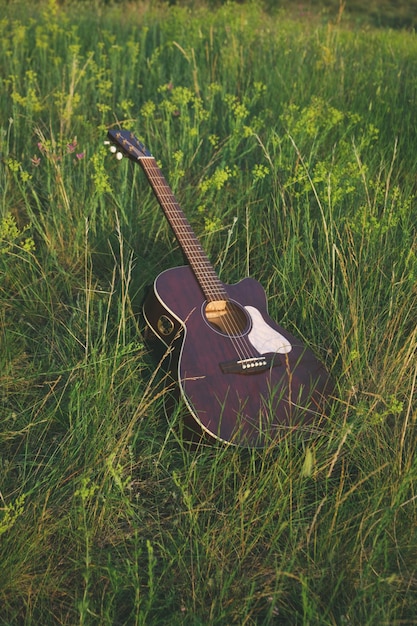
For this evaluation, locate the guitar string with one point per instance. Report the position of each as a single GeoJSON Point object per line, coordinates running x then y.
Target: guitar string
{"type": "Point", "coordinates": [183, 230]}
{"type": "Point", "coordinates": [193, 247]}
{"type": "Point", "coordinates": [231, 321]}
{"type": "Point", "coordinates": [205, 272]}
{"type": "Point", "coordinates": [190, 242]}
{"type": "Point", "coordinates": [186, 235]}
{"type": "Point", "coordinates": [201, 265]}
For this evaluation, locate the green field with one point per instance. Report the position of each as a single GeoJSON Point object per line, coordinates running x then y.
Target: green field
{"type": "Point", "coordinates": [289, 139]}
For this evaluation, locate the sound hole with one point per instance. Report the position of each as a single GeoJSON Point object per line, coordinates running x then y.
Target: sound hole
{"type": "Point", "coordinates": [227, 317]}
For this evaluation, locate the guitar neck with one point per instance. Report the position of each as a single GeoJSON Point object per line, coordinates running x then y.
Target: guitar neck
{"type": "Point", "coordinates": [204, 272]}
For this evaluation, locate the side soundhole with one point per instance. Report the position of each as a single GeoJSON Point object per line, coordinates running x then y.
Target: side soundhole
{"type": "Point", "coordinates": [227, 317]}
{"type": "Point", "coordinates": [165, 325]}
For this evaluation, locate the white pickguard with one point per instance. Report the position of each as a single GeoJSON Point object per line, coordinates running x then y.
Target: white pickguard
{"type": "Point", "coordinates": [264, 338]}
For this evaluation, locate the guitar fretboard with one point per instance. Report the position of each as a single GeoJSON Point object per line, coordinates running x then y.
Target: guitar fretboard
{"type": "Point", "coordinates": [204, 272]}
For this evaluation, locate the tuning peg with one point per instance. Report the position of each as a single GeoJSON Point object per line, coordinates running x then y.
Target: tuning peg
{"type": "Point", "coordinates": [113, 149]}
{"type": "Point", "coordinates": [119, 156]}
{"type": "Point", "coordinates": [106, 143]}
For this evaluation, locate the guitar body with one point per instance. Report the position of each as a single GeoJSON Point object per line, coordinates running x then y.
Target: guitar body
{"type": "Point", "coordinates": [248, 399]}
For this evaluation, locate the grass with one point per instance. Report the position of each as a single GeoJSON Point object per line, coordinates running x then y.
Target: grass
{"type": "Point", "coordinates": [290, 144]}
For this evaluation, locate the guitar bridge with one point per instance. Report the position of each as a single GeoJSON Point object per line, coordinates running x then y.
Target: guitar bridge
{"type": "Point", "coordinates": [252, 365]}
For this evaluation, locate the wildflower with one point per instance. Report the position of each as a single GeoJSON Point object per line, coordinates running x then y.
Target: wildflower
{"type": "Point", "coordinates": [72, 145]}
{"type": "Point", "coordinates": [35, 160]}
{"type": "Point", "coordinates": [259, 171]}
{"type": "Point", "coordinates": [80, 155]}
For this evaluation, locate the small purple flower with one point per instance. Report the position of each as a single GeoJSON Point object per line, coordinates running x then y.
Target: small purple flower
{"type": "Point", "coordinates": [72, 145]}
{"type": "Point", "coordinates": [35, 160]}
{"type": "Point", "coordinates": [80, 155]}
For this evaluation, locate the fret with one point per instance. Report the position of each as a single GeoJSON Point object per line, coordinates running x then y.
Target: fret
{"type": "Point", "coordinates": [204, 272]}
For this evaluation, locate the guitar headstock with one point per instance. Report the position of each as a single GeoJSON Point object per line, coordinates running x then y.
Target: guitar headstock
{"type": "Point", "coordinates": [124, 143]}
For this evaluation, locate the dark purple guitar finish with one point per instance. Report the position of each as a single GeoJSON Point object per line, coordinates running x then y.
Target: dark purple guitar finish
{"type": "Point", "coordinates": [252, 409]}
{"type": "Point", "coordinates": [252, 399]}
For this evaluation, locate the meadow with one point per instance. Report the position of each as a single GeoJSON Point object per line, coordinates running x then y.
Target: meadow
{"type": "Point", "coordinates": [290, 143]}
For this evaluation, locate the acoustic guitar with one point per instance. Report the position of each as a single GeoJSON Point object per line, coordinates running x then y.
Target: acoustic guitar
{"type": "Point", "coordinates": [243, 378]}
